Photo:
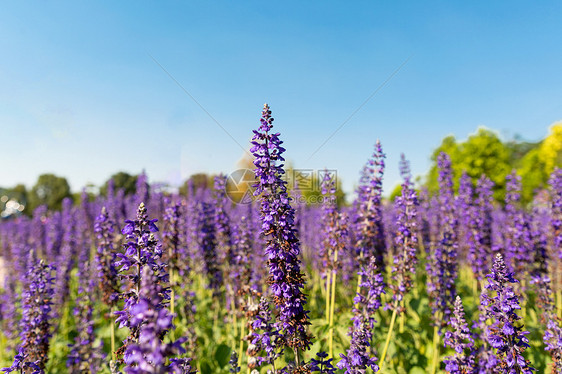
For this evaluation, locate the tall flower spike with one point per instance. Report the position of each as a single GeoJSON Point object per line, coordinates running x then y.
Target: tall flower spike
{"type": "Point", "coordinates": [505, 333]}
{"type": "Point", "coordinates": [406, 242]}
{"type": "Point", "coordinates": [481, 255]}
{"type": "Point", "coordinates": [405, 171]}
{"type": "Point", "coordinates": [105, 259]}
{"type": "Point", "coordinates": [264, 337]}
{"type": "Point", "coordinates": [357, 359]}
{"type": "Point", "coordinates": [149, 316]}
{"type": "Point", "coordinates": [460, 339]}
{"type": "Point", "coordinates": [205, 238]}
{"type": "Point", "coordinates": [84, 355]}
{"type": "Point", "coordinates": [368, 300]}
{"type": "Point", "coordinates": [442, 268]}
{"type": "Point", "coordinates": [555, 254]}
{"type": "Point", "coordinates": [369, 226]}
{"type": "Point", "coordinates": [283, 250]}
{"type": "Point", "coordinates": [360, 356]}
{"type": "Point", "coordinates": [36, 320]}
{"type": "Point", "coordinates": [518, 237]}
{"type": "Point", "coordinates": [141, 251]}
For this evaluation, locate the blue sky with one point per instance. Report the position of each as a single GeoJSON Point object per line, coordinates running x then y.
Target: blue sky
{"type": "Point", "coordinates": [81, 97]}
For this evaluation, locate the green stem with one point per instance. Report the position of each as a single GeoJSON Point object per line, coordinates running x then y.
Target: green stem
{"type": "Point", "coordinates": [172, 301]}
{"type": "Point", "coordinates": [240, 350]}
{"type": "Point", "coordinates": [388, 336]}
{"type": "Point", "coordinates": [435, 348]}
{"type": "Point", "coordinates": [112, 324]}
{"type": "Point", "coordinates": [333, 306]}
{"type": "Point", "coordinates": [402, 317]}
{"type": "Point", "coordinates": [328, 281]}
{"type": "Point", "coordinates": [559, 302]}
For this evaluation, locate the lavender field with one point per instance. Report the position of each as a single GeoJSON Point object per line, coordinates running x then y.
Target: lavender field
{"type": "Point", "coordinates": [160, 282]}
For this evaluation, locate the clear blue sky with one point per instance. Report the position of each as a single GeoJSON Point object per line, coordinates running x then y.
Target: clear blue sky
{"type": "Point", "coordinates": [81, 97]}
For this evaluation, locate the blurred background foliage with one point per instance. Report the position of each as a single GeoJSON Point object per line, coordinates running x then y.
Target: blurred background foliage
{"type": "Point", "coordinates": [483, 152]}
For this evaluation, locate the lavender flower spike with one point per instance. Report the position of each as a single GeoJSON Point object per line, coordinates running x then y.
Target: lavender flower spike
{"type": "Point", "coordinates": [149, 353]}
{"type": "Point", "coordinates": [460, 339]}
{"type": "Point", "coordinates": [105, 259]}
{"type": "Point", "coordinates": [36, 320]}
{"type": "Point", "coordinates": [505, 333]}
{"type": "Point", "coordinates": [406, 243]}
{"type": "Point", "coordinates": [283, 250]}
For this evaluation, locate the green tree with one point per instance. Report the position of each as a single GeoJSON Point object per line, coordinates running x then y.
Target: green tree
{"type": "Point", "coordinates": [197, 181]}
{"type": "Point", "coordinates": [538, 163]}
{"type": "Point", "coordinates": [49, 190]}
{"type": "Point", "coordinates": [121, 180]}
{"type": "Point", "coordinates": [482, 153]}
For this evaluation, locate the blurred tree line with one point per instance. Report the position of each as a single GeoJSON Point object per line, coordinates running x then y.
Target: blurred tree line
{"type": "Point", "coordinates": [481, 153]}
{"type": "Point", "coordinates": [485, 153]}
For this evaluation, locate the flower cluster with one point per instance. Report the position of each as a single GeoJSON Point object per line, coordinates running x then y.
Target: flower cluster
{"type": "Point", "coordinates": [505, 333]}
{"type": "Point", "coordinates": [264, 336]}
{"type": "Point", "coordinates": [148, 354]}
{"type": "Point", "coordinates": [105, 259]}
{"type": "Point", "coordinates": [142, 250]}
{"type": "Point", "coordinates": [35, 324]}
{"type": "Point", "coordinates": [406, 241]}
{"type": "Point", "coordinates": [206, 241]}
{"type": "Point", "coordinates": [357, 359]}
{"type": "Point", "coordinates": [442, 267]}
{"type": "Point", "coordinates": [368, 221]}
{"type": "Point", "coordinates": [480, 256]}
{"type": "Point", "coordinates": [368, 299]}
{"type": "Point", "coordinates": [460, 339]}
{"type": "Point", "coordinates": [282, 250]}
{"type": "Point", "coordinates": [85, 355]}
{"type": "Point", "coordinates": [321, 365]}
{"type": "Point", "coordinates": [518, 242]}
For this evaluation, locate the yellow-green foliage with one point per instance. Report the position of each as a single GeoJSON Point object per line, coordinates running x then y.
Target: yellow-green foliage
{"type": "Point", "coordinates": [485, 153]}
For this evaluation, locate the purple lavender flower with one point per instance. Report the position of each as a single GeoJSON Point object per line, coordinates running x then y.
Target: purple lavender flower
{"type": "Point", "coordinates": [360, 356]}
{"type": "Point", "coordinates": [171, 239]}
{"type": "Point", "coordinates": [405, 172]}
{"type": "Point", "coordinates": [321, 365]}
{"type": "Point", "coordinates": [464, 206]}
{"type": "Point", "coordinates": [442, 268]}
{"type": "Point", "coordinates": [35, 336]}
{"type": "Point", "coordinates": [460, 339]}
{"type": "Point", "coordinates": [369, 227]}
{"type": "Point", "coordinates": [67, 256]}
{"type": "Point", "coordinates": [233, 363]}
{"type": "Point", "coordinates": [335, 235]}
{"type": "Point", "coordinates": [406, 243]}
{"type": "Point", "coordinates": [545, 303]}
{"type": "Point", "coordinates": [105, 259]}
{"type": "Point", "coordinates": [555, 253]}
{"type": "Point", "coordinates": [556, 209]}
{"type": "Point", "coordinates": [368, 300]}
{"type": "Point", "coordinates": [223, 234]}
{"type": "Point", "coordinates": [285, 278]}
{"type": "Point", "coordinates": [357, 359]}
{"type": "Point", "coordinates": [505, 333]}
{"type": "Point", "coordinates": [148, 354]}
{"type": "Point", "coordinates": [141, 251]}
{"type": "Point", "coordinates": [480, 255]}
{"type": "Point", "coordinates": [85, 356]}
{"type": "Point", "coordinates": [264, 336]}
{"type": "Point", "coordinates": [206, 241]}
{"type": "Point", "coordinates": [518, 243]}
